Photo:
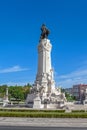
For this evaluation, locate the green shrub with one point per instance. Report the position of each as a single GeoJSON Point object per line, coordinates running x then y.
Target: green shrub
{"type": "Point", "coordinates": [41, 114]}
{"type": "Point", "coordinates": [31, 110]}
{"type": "Point", "coordinates": [78, 111]}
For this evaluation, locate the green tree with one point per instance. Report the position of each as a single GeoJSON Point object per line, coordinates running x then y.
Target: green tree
{"type": "Point", "coordinates": [3, 90]}
{"type": "Point", "coordinates": [69, 97]}
{"type": "Point", "coordinates": [16, 92]}
{"type": "Point", "coordinates": [26, 90]}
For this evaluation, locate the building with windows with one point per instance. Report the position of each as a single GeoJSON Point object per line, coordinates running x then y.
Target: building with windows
{"type": "Point", "coordinates": [78, 91]}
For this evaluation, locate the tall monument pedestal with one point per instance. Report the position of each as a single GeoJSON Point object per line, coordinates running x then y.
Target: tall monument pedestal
{"type": "Point", "coordinates": [48, 94]}
{"type": "Point", "coordinates": [44, 78]}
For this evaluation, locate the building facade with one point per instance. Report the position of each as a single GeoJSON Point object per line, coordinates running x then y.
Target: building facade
{"type": "Point", "coordinates": [78, 91]}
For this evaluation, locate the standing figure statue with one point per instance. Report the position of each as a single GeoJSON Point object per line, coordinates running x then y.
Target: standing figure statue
{"type": "Point", "coordinates": [45, 32]}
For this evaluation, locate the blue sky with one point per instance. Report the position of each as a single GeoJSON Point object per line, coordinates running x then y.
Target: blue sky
{"type": "Point", "coordinates": [20, 22]}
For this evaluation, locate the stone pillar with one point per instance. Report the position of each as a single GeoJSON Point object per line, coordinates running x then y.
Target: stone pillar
{"type": "Point", "coordinates": [44, 57]}
{"type": "Point", "coordinates": [7, 94]}
{"type": "Point", "coordinates": [6, 101]}
{"type": "Point", "coordinates": [44, 73]}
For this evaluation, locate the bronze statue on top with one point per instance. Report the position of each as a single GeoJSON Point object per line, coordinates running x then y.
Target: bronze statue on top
{"type": "Point", "coordinates": [45, 32]}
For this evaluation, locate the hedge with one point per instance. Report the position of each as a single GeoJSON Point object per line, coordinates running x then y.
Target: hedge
{"type": "Point", "coordinates": [30, 110]}
{"type": "Point", "coordinates": [78, 111]}
{"type": "Point", "coordinates": [43, 114]}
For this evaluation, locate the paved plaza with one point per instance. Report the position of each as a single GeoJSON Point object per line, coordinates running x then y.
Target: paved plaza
{"type": "Point", "coordinates": [43, 122]}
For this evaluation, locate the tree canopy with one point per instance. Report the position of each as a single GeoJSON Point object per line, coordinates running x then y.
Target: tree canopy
{"type": "Point", "coordinates": [15, 92]}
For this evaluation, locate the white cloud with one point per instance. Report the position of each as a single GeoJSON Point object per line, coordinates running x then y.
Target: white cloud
{"type": "Point", "coordinates": [74, 74]}
{"type": "Point", "coordinates": [12, 69]}
{"type": "Point", "coordinates": [76, 77]}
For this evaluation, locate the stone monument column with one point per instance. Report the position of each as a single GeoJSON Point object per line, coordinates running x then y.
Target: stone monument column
{"type": "Point", "coordinates": [43, 93]}
{"type": "Point", "coordinates": [6, 101]}
{"type": "Point", "coordinates": [7, 94]}
{"type": "Point", "coordinates": [44, 73]}
{"type": "Point", "coordinates": [44, 57]}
